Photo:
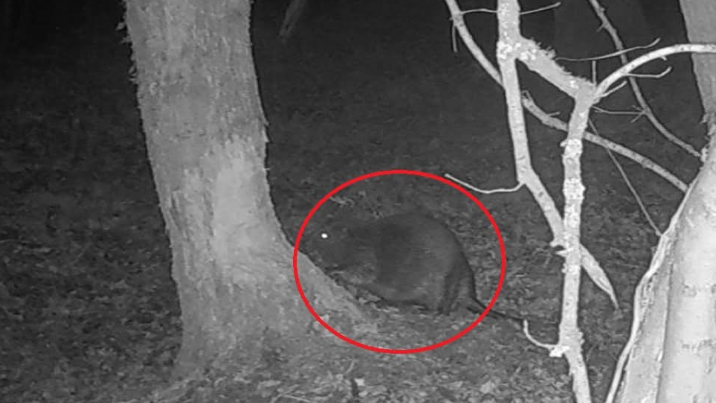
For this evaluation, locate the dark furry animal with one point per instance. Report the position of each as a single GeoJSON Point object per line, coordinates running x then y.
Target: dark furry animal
{"type": "Point", "coordinates": [410, 258]}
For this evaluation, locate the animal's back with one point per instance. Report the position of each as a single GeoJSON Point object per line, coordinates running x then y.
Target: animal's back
{"type": "Point", "coordinates": [410, 258]}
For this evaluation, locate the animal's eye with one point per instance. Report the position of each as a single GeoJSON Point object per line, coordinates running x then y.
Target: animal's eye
{"type": "Point", "coordinates": [324, 235]}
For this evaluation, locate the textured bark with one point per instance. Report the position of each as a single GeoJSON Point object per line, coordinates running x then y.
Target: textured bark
{"type": "Point", "coordinates": [690, 345]}
{"type": "Point", "coordinates": [673, 354]}
{"type": "Point", "coordinates": [206, 141]}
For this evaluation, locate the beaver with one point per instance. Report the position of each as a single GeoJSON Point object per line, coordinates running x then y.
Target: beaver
{"type": "Point", "coordinates": [409, 258]}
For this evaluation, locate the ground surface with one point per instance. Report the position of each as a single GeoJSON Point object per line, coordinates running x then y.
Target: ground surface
{"type": "Point", "coordinates": [88, 310]}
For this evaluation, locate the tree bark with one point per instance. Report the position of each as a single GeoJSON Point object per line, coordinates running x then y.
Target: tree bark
{"type": "Point", "coordinates": [690, 339]}
{"type": "Point", "coordinates": [690, 344]}
{"type": "Point", "coordinates": [672, 358]}
{"type": "Point", "coordinates": [206, 140]}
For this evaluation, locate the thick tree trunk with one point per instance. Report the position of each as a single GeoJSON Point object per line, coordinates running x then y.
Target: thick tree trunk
{"type": "Point", "coordinates": [690, 345]}
{"type": "Point", "coordinates": [206, 140]}
{"type": "Point", "coordinates": [690, 340]}
{"type": "Point", "coordinates": [672, 358]}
